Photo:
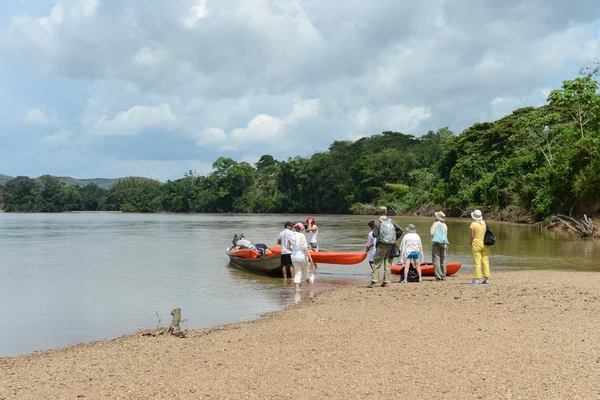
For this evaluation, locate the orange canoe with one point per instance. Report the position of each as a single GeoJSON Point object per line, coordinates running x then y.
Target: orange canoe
{"type": "Point", "coordinates": [427, 269]}
{"type": "Point", "coordinates": [332, 257]}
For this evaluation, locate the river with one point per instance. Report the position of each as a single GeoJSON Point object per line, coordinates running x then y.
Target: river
{"type": "Point", "coordinates": [79, 277]}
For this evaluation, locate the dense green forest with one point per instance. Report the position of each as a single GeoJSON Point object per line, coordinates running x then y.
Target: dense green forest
{"type": "Point", "coordinates": [524, 167]}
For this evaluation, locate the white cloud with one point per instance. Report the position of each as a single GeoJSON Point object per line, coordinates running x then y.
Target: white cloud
{"type": "Point", "coordinates": [261, 128]}
{"type": "Point", "coordinates": [196, 13]}
{"type": "Point", "coordinates": [35, 116]}
{"type": "Point", "coordinates": [60, 137]}
{"type": "Point", "coordinates": [545, 92]}
{"type": "Point", "coordinates": [230, 73]}
{"type": "Point", "coordinates": [137, 119]}
{"type": "Point", "coordinates": [306, 108]}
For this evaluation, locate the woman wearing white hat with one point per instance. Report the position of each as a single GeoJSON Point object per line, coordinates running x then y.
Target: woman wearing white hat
{"type": "Point", "coordinates": [481, 252]}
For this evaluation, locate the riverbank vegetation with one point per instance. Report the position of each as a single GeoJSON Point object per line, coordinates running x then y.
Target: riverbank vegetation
{"type": "Point", "coordinates": [527, 166]}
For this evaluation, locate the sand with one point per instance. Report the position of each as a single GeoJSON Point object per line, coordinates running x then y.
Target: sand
{"type": "Point", "coordinates": [528, 335]}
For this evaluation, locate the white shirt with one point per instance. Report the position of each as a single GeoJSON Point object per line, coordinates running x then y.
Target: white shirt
{"type": "Point", "coordinates": [371, 241]}
{"type": "Point", "coordinates": [312, 236]}
{"type": "Point", "coordinates": [299, 246]}
{"type": "Point", "coordinates": [284, 236]}
{"type": "Point", "coordinates": [411, 242]}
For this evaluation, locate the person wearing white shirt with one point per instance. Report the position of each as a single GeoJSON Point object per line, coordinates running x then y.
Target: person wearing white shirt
{"type": "Point", "coordinates": [371, 245]}
{"type": "Point", "coordinates": [300, 255]}
{"type": "Point", "coordinates": [411, 249]}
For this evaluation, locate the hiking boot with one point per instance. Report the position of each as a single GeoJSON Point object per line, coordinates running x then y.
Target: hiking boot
{"type": "Point", "coordinates": [485, 281]}
{"type": "Point", "coordinates": [475, 282]}
{"type": "Point", "coordinates": [385, 284]}
{"type": "Point", "coordinates": [372, 285]}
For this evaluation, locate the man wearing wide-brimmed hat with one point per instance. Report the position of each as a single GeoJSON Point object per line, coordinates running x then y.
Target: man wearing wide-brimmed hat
{"type": "Point", "coordinates": [439, 245]}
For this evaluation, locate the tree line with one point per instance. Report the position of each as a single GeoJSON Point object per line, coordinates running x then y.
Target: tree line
{"type": "Point", "coordinates": [527, 166]}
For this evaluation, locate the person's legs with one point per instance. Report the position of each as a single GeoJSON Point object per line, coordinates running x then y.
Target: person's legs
{"type": "Point", "coordinates": [476, 250]}
{"type": "Point", "coordinates": [297, 275]}
{"type": "Point", "coordinates": [443, 261]}
{"type": "Point", "coordinates": [305, 273]}
{"type": "Point", "coordinates": [485, 260]}
{"type": "Point", "coordinates": [387, 266]}
{"type": "Point", "coordinates": [417, 263]}
{"type": "Point", "coordinates": [406, 268]}
{"type": "Point", "coordinates": [436, 257]}
{"type": "Point", "coordinates": [379, 257]}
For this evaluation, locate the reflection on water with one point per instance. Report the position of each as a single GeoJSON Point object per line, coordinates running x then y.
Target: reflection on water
{"type": "Point", "coordinates": [68, 278]}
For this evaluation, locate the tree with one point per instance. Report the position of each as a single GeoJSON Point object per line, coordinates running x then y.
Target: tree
{"type": "Point", "coordinates": [578, 98]}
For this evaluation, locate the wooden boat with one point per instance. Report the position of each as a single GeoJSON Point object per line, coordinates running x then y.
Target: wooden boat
{"type": "Point", "coordinates": [427, 269]}
{"type": "Point", "coordinates": [250, 260]}
{"type": "Point", "coordinates": [332, 257]}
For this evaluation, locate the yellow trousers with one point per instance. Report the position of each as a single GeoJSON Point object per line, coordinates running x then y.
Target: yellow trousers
{"type": "Point", "coordinates": [481, 255]}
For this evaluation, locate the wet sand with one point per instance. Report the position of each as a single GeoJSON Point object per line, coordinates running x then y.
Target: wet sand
{"type": "Point", "coordinates": [528, 335]}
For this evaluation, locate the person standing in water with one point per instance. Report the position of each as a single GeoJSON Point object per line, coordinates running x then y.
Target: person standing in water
{"type": "Point", "coordinates": [300, 255]}
{"type": "Point", "coordinates": [286, 254]}
{"type": "Point", "coordinates": [313, 231]}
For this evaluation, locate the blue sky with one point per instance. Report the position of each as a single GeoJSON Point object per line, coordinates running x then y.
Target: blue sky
{"type": "Point", "coordinates": [108, 88]}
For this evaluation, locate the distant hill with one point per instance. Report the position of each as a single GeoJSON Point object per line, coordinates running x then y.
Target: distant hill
{"type": "Point", "coordinates": [104, 183]}
{"type": "Point", "coordinates": [4, 179]}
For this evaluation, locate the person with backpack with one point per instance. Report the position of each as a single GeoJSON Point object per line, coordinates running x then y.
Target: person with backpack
{"type": "Point", "coordinates": [439, 245]}
{"type": "Point", "coordinates": [481, 251]}
{"type": "Point", "coordinates": [411, 250]}
{"type": "Point", "coordinates": [386, 232]}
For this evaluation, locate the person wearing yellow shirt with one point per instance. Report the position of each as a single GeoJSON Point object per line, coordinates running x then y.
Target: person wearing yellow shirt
{"type": "Point", "coordinates": [481, 252]}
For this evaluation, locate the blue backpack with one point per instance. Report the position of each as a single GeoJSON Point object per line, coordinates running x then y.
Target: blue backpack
{"type": "Point", "coordinates": [439, 236]}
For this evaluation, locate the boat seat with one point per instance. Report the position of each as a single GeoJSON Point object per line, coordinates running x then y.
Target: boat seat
{"type": "Point", "coordinates": [261, 246]}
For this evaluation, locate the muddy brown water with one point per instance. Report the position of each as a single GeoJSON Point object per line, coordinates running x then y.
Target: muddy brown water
{"type": "Point", "coordinates": [78, 277]}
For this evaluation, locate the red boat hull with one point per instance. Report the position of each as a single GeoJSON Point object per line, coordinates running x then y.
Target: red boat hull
{"type": "Point", "coordinates": [332, 257]}
{"type": "Point", "coordinates": [427, 269]}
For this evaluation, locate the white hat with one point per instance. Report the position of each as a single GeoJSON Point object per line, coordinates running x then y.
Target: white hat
{"type": "Point", "coordinates": [440, 216]}
{"type": "Point", "coordinates": [476, 215]}
{"type": "Point", "coordinates": [411, 228]}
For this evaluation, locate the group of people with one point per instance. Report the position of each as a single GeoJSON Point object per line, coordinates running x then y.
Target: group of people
{"type": "Point", "coordinates": [381, 248]}
{"type": "Point", "coordinates": [296, 248]}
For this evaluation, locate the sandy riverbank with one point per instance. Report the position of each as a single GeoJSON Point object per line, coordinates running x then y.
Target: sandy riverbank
{"type": "Point", "coordinates": [528, 335]}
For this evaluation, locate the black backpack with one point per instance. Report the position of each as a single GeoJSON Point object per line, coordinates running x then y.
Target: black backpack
{"type": "Point", "coordinates": [489, 238]}
{"type": "Point", "coordinates": [413, 275]}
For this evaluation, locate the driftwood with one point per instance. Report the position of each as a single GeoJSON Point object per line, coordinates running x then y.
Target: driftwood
{"type": "Point", "coordinates": [174, 329]}
{"type": "Point", "coordinates": [584, 228]}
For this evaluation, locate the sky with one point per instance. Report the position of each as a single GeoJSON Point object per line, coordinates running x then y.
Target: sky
{"type": "Point", "coordinates": [111, 88]}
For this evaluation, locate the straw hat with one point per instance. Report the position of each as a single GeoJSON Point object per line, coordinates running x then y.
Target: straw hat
{"type": "Point", "coordinates": [440, 216]}
{"type": "Point", "coordinates": [476, 215]}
